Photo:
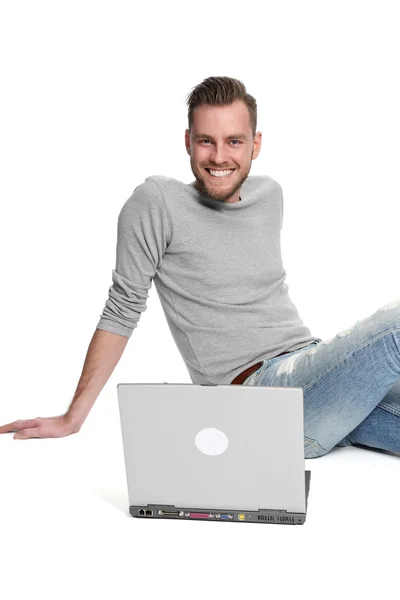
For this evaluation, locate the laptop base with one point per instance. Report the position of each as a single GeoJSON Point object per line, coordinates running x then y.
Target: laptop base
{"type": "Point", "coordinates": [272, 516]}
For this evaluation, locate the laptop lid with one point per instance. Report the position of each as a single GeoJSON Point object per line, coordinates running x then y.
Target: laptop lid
{"type": "Point", "coordinates": [237, 447]}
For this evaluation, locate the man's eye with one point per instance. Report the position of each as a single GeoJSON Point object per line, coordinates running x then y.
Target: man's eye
{"type": "Point", "coordinates": [238, 141]}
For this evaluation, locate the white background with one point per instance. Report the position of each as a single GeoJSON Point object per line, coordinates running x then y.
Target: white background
{"type": "Point", "coordinates": [93, 102]}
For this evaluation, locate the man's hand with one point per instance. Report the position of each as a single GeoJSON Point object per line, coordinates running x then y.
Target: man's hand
{"type": "Point", "coordinates": [42, 427]}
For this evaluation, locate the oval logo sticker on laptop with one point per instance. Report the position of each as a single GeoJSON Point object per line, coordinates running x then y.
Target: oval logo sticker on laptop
{"type": "Point", "coordinates": [211, 441]}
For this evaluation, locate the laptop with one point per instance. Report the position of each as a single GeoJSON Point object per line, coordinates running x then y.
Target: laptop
{"type": "Point", "coordinates": [214, 452]}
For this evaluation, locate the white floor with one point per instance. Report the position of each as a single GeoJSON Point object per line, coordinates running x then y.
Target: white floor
{"type": "Point", "coordinates": [66, 531]}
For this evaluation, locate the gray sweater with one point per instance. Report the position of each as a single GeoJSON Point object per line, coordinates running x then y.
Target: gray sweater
{"type": "Point", "coordinates": [218, 272]}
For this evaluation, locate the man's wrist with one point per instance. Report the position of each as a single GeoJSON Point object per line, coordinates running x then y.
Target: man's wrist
{"type": "Point", "coordinates": [73, 420]}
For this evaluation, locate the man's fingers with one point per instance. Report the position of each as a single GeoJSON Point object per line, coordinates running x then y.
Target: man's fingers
{"type": "Point", "coordinates": [27, 433]}
{"type": "Point", "coordinates": [17, 425]}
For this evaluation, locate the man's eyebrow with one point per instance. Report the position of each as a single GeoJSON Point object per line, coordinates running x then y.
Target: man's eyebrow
{"type": "Point", "coordinates": [237, 136]}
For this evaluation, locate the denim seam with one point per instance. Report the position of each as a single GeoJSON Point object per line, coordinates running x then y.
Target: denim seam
{"type": "Point", "coordinates": [389, 408]}
{"type": "Point", "coordinates": [350, 354]}
{"type": "Point", "coordinates": [315, 444]}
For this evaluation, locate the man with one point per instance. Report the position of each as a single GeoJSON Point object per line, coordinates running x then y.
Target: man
{"type": "Point", "coordinates": [212, 248]}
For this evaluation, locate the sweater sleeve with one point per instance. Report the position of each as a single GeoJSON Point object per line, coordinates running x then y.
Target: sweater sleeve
{"type": "Point", "coordinates": [143, 235]}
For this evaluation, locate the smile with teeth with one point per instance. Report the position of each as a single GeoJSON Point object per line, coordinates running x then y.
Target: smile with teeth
{"type": "Point", "coordinates": [220, 174]}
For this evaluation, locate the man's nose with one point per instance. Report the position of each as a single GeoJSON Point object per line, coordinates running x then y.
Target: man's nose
{"type": "Point", "coordinates": [219, 154]}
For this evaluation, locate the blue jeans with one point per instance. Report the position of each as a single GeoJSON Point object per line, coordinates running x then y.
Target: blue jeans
{"type": "Point", "coordinates": [350, 383]}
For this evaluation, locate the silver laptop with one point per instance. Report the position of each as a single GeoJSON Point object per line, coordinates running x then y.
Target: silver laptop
{"type": "Point", "coordinates": [214, 452]}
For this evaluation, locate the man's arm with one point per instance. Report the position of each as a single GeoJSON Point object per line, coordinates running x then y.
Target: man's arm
{"type": "Point", "coordinates": [144, 232]}
{"type": "Point", "coordinates": [104, 352]}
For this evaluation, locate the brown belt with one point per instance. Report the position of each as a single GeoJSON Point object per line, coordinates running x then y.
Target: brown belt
{"type": "Point", "coordinates": [245, 374]}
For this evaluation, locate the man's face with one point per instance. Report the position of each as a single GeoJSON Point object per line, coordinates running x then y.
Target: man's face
{"type": "Point", "coordinates": [221, 138]}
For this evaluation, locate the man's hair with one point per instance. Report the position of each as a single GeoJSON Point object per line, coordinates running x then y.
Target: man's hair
{"type": "Point", "coordinates": [221, 91]}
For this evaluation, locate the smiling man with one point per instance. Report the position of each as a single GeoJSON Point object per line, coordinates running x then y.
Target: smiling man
{"type": "Point", "coordinates": [213, 249]}
{"type": "Point", "coordinates": [221, 143]}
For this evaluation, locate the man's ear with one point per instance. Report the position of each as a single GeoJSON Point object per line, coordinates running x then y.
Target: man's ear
{"type": "Point", "coordinates": [187, 141]}
{"type": "Point", "coordinates": [256, 145]}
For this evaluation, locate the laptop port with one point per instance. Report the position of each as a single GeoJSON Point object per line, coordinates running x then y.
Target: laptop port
{"type": "Point", "coordinates": [169, 513]}
{"type": "Point", "coordinates": [199, 515]}
{"type": "Point", "coordinates": [141, 512]}
{"type": "Point", "coordinates": [149, 513]}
